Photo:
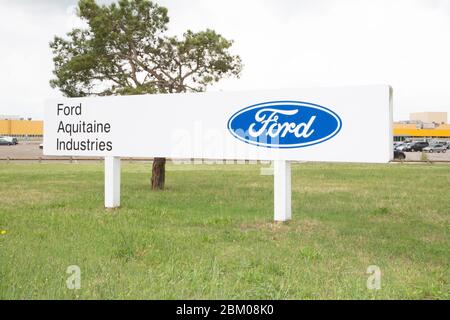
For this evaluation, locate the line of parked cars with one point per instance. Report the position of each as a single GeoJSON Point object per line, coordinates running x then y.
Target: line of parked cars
{"type": "Point", "coordinates": [8, 141]}
{"type": "Point", "coordinates": [419, 146]}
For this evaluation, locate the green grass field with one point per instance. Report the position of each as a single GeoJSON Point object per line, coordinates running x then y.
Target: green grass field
{"type": "Point", "coordinates": [210, 235]}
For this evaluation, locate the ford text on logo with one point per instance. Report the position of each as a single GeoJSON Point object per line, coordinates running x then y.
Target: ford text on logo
{"type": "Point", "coordinates": [284, 124]}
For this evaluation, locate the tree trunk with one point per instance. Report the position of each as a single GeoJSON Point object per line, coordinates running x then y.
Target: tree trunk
{"type": "Point", "coordinates": [158, 173]}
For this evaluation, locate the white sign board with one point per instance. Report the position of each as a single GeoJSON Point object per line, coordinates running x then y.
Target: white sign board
{"type": "Point", "coordinates": [347, 124]}
{"type": "Point", "coordinates": [341, 124]}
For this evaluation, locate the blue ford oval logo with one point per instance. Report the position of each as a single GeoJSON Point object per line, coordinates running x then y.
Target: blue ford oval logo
{"type": "Point", "coordinates": [284, 124]}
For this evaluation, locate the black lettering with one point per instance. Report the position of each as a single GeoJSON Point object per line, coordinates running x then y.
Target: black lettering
{"type": "Point", "coordinates": [59, 109]}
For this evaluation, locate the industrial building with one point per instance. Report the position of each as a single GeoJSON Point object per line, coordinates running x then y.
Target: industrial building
{"type": "Point", "coordinates": [429, 117]}
{"type": "Point", "coordinates": [20, 127]}
{"type": "Point", "coordinates": [423, 125]}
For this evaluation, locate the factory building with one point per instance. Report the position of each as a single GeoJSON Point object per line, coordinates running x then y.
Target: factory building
{"type": "Point", "coordinates": [423, 126]}
{"type": "Point", "coordinates": [420, 126]}
{"type": "Point", "coordinates": [20, 127]}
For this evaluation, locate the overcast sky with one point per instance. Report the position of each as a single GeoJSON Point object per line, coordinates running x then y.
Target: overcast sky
{"type": "Point", "coordinates": [283, 44]}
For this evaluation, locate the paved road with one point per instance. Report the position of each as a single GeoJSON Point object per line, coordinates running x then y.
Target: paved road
{"type": "Point", "coordinates": [22, 150]}
{"type": "Point", "coordinates": [26, 150]}
{"type": "Point", "coordinates": [30, 150]}
{"type": "Point", "coordinates": [417, 156]}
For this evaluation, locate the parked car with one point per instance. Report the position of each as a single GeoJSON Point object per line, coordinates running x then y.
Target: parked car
{"type": "Point", "coordinates": [13, 140]}
{"type": "Point", "coordinates": [4, 142]}
{"type": "Point", "coordinates": [404, 147]}
{"type": "Point", "coordinates": [399, 155]}
{"type": "Point", "coordinates": [435, 148]}
{"type": "Point", "coordinates": [418, 146]}
{"type": "Point", "coordinates": [398, 145]}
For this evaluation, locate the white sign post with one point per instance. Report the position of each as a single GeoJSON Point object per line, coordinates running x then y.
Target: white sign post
{"type": "Point", "coordinates": [311, 124]}
{"type": "Point", "coordinates": [282, 190]}
{"type": "Point", "coordinates": [112, 182]}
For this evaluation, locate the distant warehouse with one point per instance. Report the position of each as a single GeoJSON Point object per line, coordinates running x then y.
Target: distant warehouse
{"type": "Point", "coordinates": [20, 127]}
{"type": "Point", "coordinates": [422, 125]}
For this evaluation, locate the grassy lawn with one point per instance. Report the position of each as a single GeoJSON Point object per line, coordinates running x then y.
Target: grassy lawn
{"type": "Point", "coordinates": [210, 235]}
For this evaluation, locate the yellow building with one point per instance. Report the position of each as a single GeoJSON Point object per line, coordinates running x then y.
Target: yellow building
{"type": "Point", "coordinates": [411, 131]}
{"type": "Point", "coordinates": [423, 125]}
{"type": "Point", "coordinates": [21, 127]}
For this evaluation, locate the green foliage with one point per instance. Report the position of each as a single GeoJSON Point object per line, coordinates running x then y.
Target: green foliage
{"type": "Point", "coordinates": [124, 50]}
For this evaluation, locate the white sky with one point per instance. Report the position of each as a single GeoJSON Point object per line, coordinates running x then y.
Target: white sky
{"type": "Point", "coordinates": [283, 44]}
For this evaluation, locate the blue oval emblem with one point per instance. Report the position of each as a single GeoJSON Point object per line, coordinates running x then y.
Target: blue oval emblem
{"type": "Point", "coordinates": [284, 124]}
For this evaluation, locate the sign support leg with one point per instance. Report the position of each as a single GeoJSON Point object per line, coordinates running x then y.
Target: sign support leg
{"type": "Point", "coordinates": [282, 190]}
{"type": "Point", "coordinates": [112, 182]}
